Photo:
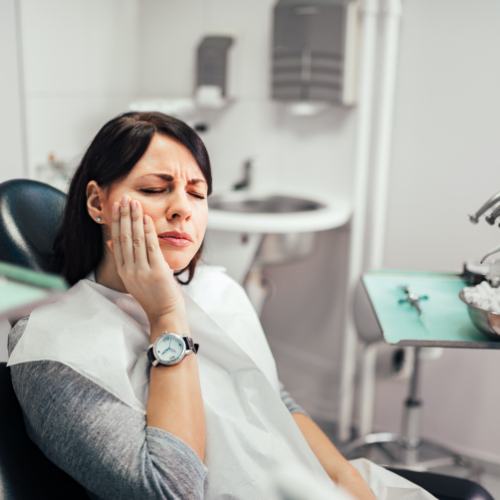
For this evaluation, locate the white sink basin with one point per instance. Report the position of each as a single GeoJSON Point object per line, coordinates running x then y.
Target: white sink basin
{"type": "Point", "coordinates": [274, 212]}
{"type": "Point", "coordinates": [249, 230]}
{"type": "Point", "coordinates": [263, 204]}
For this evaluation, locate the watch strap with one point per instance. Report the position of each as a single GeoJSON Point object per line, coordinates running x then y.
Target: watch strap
{"type": "Point", "coordinates": [151, 354]}
{"type": "Point", "coordinates": [190, 345]}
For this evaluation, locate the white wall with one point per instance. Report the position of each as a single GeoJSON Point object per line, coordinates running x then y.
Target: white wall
{"type": "Point", "coordinates": [80, 68]}
{"type": "Point", "coordinates": [446, 160]}
{"type": "Point", "coordinates": [293, 151]}
{"type": "Point", "coordinates": [11, 125]}
{"type": "Point", "coordinates": [80, 65]}
{"type": "Point", "coordinates": [303, 323]}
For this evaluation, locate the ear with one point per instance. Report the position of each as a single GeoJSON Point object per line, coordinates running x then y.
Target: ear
{"type": "Point", "coordinates": [95, 200]}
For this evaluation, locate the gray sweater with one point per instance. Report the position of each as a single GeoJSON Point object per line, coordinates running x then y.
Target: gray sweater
{"type": "Point", "coordinates": [100, 441]}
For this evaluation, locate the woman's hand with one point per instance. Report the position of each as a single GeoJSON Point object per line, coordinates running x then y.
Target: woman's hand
{"type": "Point", "coordinates": [140, 263]}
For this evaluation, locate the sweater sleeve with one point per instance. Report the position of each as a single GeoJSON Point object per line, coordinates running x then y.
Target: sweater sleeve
{"type": "Point", "coordinates": [289, 402]}
{"type": "Point", "coordinates": [97, 439]}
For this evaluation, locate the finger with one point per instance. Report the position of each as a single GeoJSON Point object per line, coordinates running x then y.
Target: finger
{"type": "Point", "coordinates": [126, 232]}
{"type": "Point", "coordinates": [155, 257]}
{"type": "Point", "coordinates": [138, 238]}
{"type": "Point", "coordinates": [115, 234]}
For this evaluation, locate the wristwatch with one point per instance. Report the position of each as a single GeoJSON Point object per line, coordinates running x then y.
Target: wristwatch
{"type": "Point", "coordinates": [170, 348]}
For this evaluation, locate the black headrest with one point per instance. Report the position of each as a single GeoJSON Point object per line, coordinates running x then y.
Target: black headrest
{"type": "Point", "coordinates": [30, 214]}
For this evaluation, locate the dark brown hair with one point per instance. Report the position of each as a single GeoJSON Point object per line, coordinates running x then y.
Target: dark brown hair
{"type": "Point", "coordinates": [115, 150]}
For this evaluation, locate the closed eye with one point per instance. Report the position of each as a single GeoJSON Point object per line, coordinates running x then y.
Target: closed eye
{"type": "Point", "coordinates": [151, 191]}
{"type": "Point", "coordinates": [196, 195]}
{"type": "Point", "coordinates": [157, 191]}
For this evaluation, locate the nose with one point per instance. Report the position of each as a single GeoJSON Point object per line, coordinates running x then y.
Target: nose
{"type": "Point", "coordinates": [178, 207]}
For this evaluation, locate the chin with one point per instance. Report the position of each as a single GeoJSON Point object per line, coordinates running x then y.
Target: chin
{"type": "Point", "coordinates": [177, 262]}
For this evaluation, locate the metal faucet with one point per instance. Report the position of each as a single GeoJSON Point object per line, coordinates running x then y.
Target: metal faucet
{"type": "Point", "coordinates": [492, 201]}
{"type": "Point", "coordinates": [490, 219]}
{"type": "Point", "coordinates": [247, 176]}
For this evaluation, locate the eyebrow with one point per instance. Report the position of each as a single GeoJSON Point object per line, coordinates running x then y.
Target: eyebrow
{"type": "Point", "coordinates": [170, 178]}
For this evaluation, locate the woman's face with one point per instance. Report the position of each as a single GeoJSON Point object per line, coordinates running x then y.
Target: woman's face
{"type": "Point", "coordinates": [171, 187]}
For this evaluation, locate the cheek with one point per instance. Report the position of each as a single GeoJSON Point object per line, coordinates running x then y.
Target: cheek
{"type": "Point", "coordinates": [108, 209]}
{"type": "Point", "coordinates": [155, 211]}
{"type": "Point", "coordinates": [202, 215]}
{"type": "Point", "coordinates": [201, 222]}
{"type": "Point", "coordinates": [114, 196]}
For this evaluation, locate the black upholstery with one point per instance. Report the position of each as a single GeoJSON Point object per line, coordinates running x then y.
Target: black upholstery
{"type": "Point", "coordinates": [445, 487]}
{"type": "Point", "coordinates": [30, 212]}
{"type": "Point", "coordinates": [25, 473]}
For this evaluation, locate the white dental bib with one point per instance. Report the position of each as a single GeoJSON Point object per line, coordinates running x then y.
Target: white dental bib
{"type": "Point", "coordinates": [103, 334]}
{"type": "Point", "coordinates": [251, 436]}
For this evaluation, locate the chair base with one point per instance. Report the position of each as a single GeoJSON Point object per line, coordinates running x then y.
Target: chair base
{"type": "Point", "coordinates": [390, 449]}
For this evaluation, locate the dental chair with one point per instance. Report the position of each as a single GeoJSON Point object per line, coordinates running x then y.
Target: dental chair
{"type": "Point", "coordinates": [25, 472]}
{"type": "Point", "coordinates": [30, 212]}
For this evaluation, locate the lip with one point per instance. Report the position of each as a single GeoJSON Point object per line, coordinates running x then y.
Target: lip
{"type": "Point", "coordinates": [175, 234]}
{"type": "Point", "coordinates": [175, 239]}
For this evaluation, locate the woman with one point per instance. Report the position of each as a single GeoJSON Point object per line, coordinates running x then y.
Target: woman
{"type": "Point", "coordinates": [133, 228]}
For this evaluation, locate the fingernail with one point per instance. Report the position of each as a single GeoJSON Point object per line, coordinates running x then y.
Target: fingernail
{"type": "Point", "coordinates": [135, 204]}
{"type": "Point", "coordinates": [124, 201]}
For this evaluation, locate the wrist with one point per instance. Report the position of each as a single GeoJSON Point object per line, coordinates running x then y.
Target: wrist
{"type": "Point", "coordinates": [172, 322]}
{"type": "Point", "coordinates": [340, 472]}
{"type": "Point", "coordinates": [347, 476]}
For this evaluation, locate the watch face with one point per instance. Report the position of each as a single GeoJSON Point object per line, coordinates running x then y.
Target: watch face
{"type": "Point", "coordinates": [169, 348]}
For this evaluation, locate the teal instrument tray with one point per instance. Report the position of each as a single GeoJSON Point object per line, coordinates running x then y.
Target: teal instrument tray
{"type": "Point", "coordinates": [444, 321]}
